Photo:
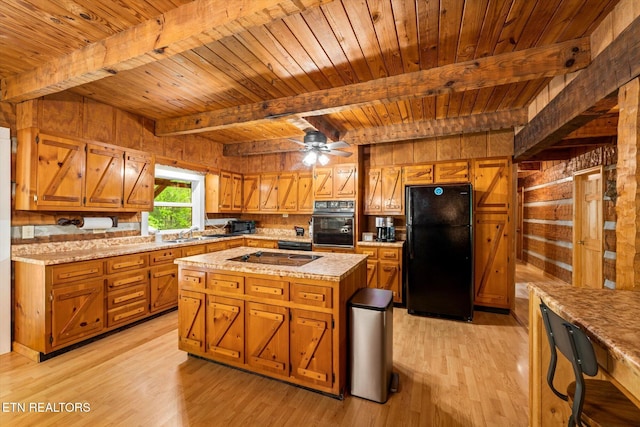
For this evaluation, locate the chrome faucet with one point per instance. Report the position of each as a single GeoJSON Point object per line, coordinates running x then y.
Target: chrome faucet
{"type": "Point", "coordinates": [189, 232]}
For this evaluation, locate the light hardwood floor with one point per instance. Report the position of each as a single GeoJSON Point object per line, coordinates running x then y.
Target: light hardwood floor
{"type": "Point", "coordinates": [451, 374]}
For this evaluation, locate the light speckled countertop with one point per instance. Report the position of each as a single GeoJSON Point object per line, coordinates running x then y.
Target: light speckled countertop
{"type": "Point", "coordinates": [396, 244]}
{"type": "Point", "coordinates": [330, 267]}
{"type": "Point", "coordinates": [86, 250]}
{"type": "Point", "coordinates": [609, 317]}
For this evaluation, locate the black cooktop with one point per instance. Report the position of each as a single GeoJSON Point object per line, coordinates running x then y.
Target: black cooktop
{"type": "Point", "coordinates": [276, 258]}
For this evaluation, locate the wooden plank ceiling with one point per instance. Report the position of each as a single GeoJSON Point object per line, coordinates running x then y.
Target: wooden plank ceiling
{"type": "Point", "coordinates": [252, 73]}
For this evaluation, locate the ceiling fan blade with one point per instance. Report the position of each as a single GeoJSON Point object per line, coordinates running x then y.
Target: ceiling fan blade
{"type": "Point", "coordinates": [337, 144]}
{"type": "Point", "coordinates": [297, 142]}
{"type": "Point", "coordinates": [337, 153]}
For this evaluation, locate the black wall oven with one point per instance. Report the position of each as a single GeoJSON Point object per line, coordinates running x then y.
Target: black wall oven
{"type": "Point", "coordinates": [333, 223]}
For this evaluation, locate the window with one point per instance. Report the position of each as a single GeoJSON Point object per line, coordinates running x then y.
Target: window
{"type": "Point", "coordinates": [178, 203]}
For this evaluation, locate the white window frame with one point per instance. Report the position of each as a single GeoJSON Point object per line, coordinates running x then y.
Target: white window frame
{"type": "Point", "coordinates": [197, 197]}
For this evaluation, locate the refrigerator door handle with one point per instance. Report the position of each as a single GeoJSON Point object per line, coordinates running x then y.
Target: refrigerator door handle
{"type": "Point", "coordinates": [409, 223]}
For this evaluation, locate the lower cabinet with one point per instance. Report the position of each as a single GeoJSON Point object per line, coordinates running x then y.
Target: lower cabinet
{"type": "Point", "coordinates": [225, 329]}
{"type": "Point", "coordinates": [310, 347]}
{"type": "Point", "coordinates": [491, 252]}
{"type": "Point", "coordinates": [191, 309]}
{"type": "Point", "coordinates": [267, 338]}
{"type": "Point", "coordinates": [77, 311]}
{"type": "Point", "coordinates": [164, 287]}
{"type": "Point", "coordinates": [384, 268]}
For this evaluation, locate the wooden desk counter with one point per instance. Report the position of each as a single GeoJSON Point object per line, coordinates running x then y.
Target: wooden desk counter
{"type": "Point", "coordinates": [610, 318]}
{"type": "Point", "coordinates": [283, 321]}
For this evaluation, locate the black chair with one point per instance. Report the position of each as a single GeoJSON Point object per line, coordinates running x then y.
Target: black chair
{"type": "Point", "coordinates": [594, 402]}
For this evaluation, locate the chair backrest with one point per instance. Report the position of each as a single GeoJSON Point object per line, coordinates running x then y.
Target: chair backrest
{"type": "Point", "coordinates": [574, 344]}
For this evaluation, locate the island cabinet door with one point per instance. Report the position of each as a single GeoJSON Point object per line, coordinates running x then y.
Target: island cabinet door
{"type": "Point", "coordinates": [191, 317]}
{"type": "Point", "coordinates": [225, 329]}
{"type": "Point", "coordinates": [268, 338]}
{"type": "Point", "coordinates": [310, 347]}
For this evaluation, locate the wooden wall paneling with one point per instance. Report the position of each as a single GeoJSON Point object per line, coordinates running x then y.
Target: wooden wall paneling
{"type": "Point", "coordinates": [425, 150]}
{"type": "Point", "coordinates": [149, 141]}
{"type": "Point", "coordinates": [61, 113]}
{"type": "Point", "coordinates": [448, 147]}
{"type": "Point", "coordinates": [128, 130]}
{"type": "Point", "coordinates": [98, 122]}
{"type": "Point", "coordinates": [8, 115]}
{"type": "Point", "coordinates": [174, 148]}
{"type": "Point", "coordinates": [402, 153]}
{"type": "Point", "coordinates": [474, 146]}
{"type": "Point", "coordinates": [500, 143]}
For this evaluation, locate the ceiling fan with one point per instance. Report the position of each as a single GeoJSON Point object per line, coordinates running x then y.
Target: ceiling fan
{"type": "Point", "coordinates": [317, 148]}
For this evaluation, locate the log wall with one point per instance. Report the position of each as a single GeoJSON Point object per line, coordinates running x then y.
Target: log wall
{"type": "Point", "coordinates": [548, 214]}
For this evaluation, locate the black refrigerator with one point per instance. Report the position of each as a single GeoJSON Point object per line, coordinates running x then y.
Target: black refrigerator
{"type": "Point", "coordinates": [439, 250]}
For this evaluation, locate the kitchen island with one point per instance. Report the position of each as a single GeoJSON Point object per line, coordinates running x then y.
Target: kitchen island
{"type": "Point", "coordinates": [610, 319]}
{"type": "Point", "coordinates": [281, 314]}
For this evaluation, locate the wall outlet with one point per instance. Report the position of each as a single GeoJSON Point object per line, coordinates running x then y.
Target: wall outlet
{"type": "Point", "coordinates": [28, 231]}
{"type": "Point", "coordinates": [285, 215]}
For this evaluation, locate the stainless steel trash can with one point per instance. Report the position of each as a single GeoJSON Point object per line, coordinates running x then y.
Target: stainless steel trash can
{"type": "Point", "coordinates": [371, 341]}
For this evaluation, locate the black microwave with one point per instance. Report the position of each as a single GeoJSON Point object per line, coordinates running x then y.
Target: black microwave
{"type": "Point", "coordinates": [241, 227]}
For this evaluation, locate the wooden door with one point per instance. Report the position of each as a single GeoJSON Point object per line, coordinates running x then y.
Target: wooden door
{"type": "Point", "coordinates": [191, 321]}
{"type": "Point", "coordinates": [323, 183]}
{"type": "Point", "coordinates": [389, 278]}
{"type": "Point", "coordinates": [372, 274]}
{"type": "Point", "coordinates": [451, 172]}
{"type": "Point", "coordinates": [491, 260]}
{"type": "Point", "coordinates": [212, 193]}
{"type": "Point", "coordinates": [492, 185]}
{"type": "Point", "coordinates": [60, 172]}
{"type": "Point", "coordinates": [225, 328]}
{"type": "Point", "coordinates": [287, 192]}
{"type": "Point", "coordinates": [236, 185]}
{"type": "Point", "coordinates": [588, 226]}
{"type": "Point", "coordinates": [344, 181]}
{"type": "Point", "coordinates": [139, 179]}
{"type": "Point", "coordinates": [311, 349]}
{"type": "Point", "coordinates": [77, 311]}
{"type": "Point", "coordinates": [373, 192]}
{"type": "Point", "coordinates": [305, 192]}
{"type": "Point", "coordinates": [104, 176]}
{"type": "Point", "coordinates": [392, 191]}
{"type": "Point", "coordinates": [164, 287]}
{"type": "Point", "coordinates": [269, 192]}
{"type": "Point", "coordinates": [226, 192]}
{"type": "Point", "coordinates": [251, 193]}
{"type": "Point", "coordinates": [267, 338]}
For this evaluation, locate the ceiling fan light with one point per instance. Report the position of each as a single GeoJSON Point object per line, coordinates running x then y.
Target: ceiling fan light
{"type": "Point", "coordinates": [310, 158]}
{"type": "Point", "coordinates": [323, 159]}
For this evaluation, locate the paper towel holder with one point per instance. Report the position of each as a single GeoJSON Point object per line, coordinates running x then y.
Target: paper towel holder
{"type": "Point", "coordinates": [79, 222]}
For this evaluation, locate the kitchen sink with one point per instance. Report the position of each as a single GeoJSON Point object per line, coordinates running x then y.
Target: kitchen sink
{"type": "Point", "coordinates": [192, 239]}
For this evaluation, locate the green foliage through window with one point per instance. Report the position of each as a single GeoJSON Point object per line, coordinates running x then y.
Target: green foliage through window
{"type": "Point", "coordinates": [172, 206]}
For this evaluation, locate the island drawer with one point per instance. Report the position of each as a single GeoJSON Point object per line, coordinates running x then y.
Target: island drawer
{"type": "Point", "coordinates": [266, 288]}
{"type": "Point", "coordinates": [127, 313]}
{"type": "Point", "coordinates": [127, 279]}
{"type": "Point", "coordinates": [192, 278]}
{"type": "Point", "coordinates": [76, 271]}
{"type": "Point", "coordinates": [127, 295]}
{"type": "Point", "coordinates": [225, 283]}
{"type": "Point", "coordinates": [127, 262]}
{"type": "Point", "coordinates": [164, 256]}
{"type": "Point", "coordinates": [317, 296]}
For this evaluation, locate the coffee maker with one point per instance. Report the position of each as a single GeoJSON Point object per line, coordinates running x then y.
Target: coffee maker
{"type": "Point", "coordinates": [385, 231]}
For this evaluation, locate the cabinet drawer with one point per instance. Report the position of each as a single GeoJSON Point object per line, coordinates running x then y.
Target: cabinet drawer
{"type": "Point", "coordinates": [265, 288]}
{"type": "Point", "coordinates": [127, 262]}
{"type": "Point", "coordinates": [164, 256]}
{"type": "Point", "coordinates": [193, 250]}
{"type": "Point", "coordinates": [127, 313]}
{"type": "Point", "coordinates": [127, 295]}
{"type": "Point", "coordinates": [225, 283]}
{"type": "Point", "coordinates": [192, 278]}
{"type": "Point", "coordinates": [76, 271]}
{"type": "Point", "coordinates": [317, 296]}
{"type": "Point", "coordinates": [128, 279]}
{"type": "Point", "coordinates": [389, 254]}
{"type": "Point", "coordinates": [371, 252]}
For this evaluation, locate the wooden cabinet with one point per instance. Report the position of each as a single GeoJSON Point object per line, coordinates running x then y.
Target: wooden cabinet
{"type": "Point", "coordinates": [58, 173]}
{"type": "Point", "coordinates": [260, 243]}
{"type": "Point", "coordinates": [191, 311]}
{"type": "Point", "coordinates": [305, 192]}
{"type": "Point", "coordinates": [225, 337]}
{"type": "Point", "coordinates": [491, 260]}
{"type": "Point", "coordinates": [127, 297]}
{"type": "Point", "coordinates": [311, 347]}
{"type": "Point", "coordinates": [452, 172]}
{"type": "Point", "coordinates": [139, 180]}
{"type": "Point", "coordinates": [269, 192]}
{"type": "Point", "coordinates": [384, 268]}
{"type": "Point", "coordinates": [418, 174]}
{"type": "Point", "coordinates": [492, 185]}
{"type": "Point", "coordinates": [288, 192]}
{"type": "Point", "coordinates": [223, 192]}
{"type": "Point", "coordinates": [251, 193]}
{"type": "Point", "coordinates": [163, 279]}
{"type": "Point", "coordinates": [323, 183]}
{"type": "Point", "coordinates": [77, 311]}
{"type": "Point", "coordinates": [267, 339]}
{"type": "Point", "coordinates": [384, 191]}
{"type": "Point", "coordinates": [338, 182]}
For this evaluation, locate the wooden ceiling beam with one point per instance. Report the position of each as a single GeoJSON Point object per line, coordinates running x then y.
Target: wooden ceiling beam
{"type": "Point", "coordinates": [512, 67]}
{"type": "Point", "coordinates": [590, 95]}
{"type": "Point", "coordinates": [185, 27]}
{"type": "Point", "coordinates": [401, 132]}
{"type": "Point", "coordinates": [603, 126]}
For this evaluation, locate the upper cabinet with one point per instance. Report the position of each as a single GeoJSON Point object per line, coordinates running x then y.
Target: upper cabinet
{"type": "Point", "coordinates": [418, 174]}
{"type": "Point", "coordinates": [452, 172]}
{"type": "Point", "coordinates": [59, 173]}
{"type": "Point", "coordinates": [288, 192]}
{"type": "Point", "coordinates": [269, 192]}
{"type": "Point", "coordinates": [223, 192]}
{"type": "Point", "coordinates": [492, 185]}
{"type": "Point", "coordinates": [251, 193]}
{"type": "Point", "coordinates": [384, 191]}
{"type": "Point", "coordinates": [305, 192]}
{"type": "Point", "coordinates": [338, 182]}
